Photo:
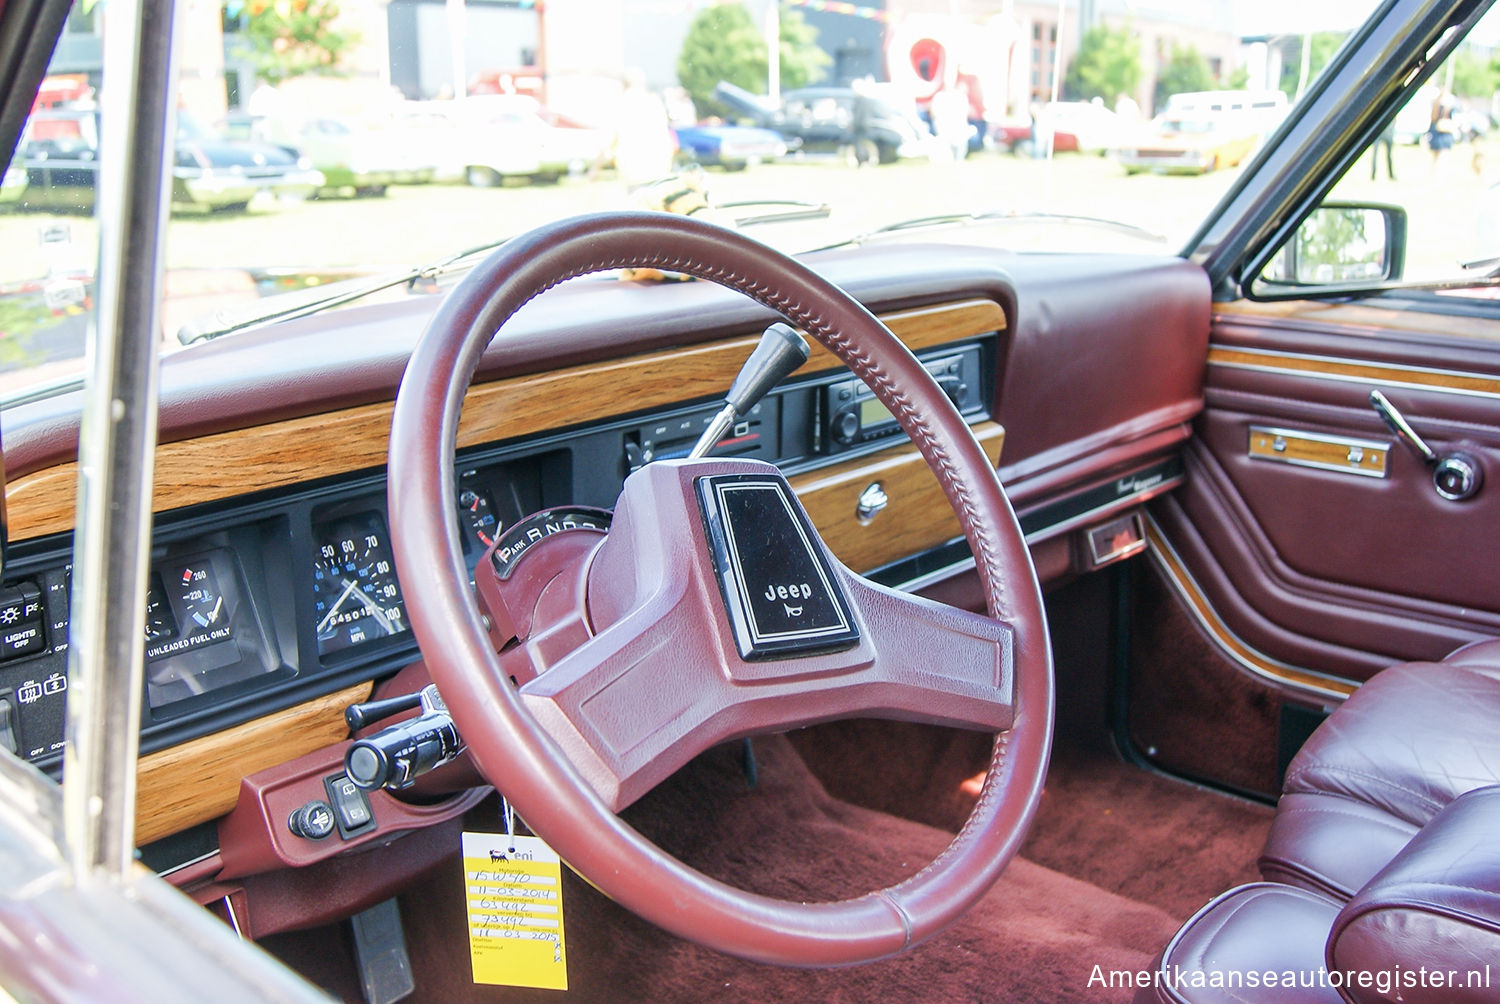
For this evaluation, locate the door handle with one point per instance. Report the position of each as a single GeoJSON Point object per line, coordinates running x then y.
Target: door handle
{"type": "Point", "coordinates": [1455, 476]}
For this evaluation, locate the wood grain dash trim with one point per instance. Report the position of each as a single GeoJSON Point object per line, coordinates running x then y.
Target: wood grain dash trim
{"type": "Point", "coordinates": [916, 519]}
{"type": "Point", "coordinates": [1329, 368]}
{"type": "Point", "coordinates": [199, 780]}
{"type": "Point", "coordinates": [280, 454]}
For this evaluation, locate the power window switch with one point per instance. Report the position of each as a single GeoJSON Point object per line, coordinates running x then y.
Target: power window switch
{"type": "Point", "coordinates": [349, 804]}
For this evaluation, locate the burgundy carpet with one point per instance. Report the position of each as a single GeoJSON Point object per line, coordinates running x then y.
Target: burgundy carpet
{"type": "Point", "coordinates": [1142, 852]}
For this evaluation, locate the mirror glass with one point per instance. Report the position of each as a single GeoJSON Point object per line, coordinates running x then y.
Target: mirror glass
{"type": "Point", "coordinates": [1335, 245]}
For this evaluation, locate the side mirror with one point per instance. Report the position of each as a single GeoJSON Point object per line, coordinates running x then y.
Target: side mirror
{"type": "Point", "coordinates": [1340, 247]}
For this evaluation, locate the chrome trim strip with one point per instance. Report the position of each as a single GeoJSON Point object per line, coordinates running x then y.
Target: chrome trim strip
{"type": "Point", "coordinates": [1383, 449]}
{"type": "Point", "coordinates": [117, 437]}
{"type": "Point", "coordinates": [1175, 571]}
{"type": "Point", "coordinates": [1045, 533]}
{"type": "Point", "coordinates": [936, 575]}
{"type": "Point", "coordinates": [1313, 374]}
{"type": "Point", "coordinates": [1108, 509]}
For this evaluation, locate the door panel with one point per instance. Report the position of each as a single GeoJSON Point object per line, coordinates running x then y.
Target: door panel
{"type": "Point", "coordinates": [1327, 570]}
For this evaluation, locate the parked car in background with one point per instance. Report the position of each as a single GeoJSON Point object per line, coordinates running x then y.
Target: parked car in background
{"type": "Point", "coordinates": [354, 159]}
{"type": "Point", "coordinates": [870, 123]}
{"type": "Point", "coordinates": [485, 139]}
{"type": "Point", "coordinates": [1187, 146]}
{"type": "Point", "coordinates": [1080, 126]}
{"type": "Point", "coordinates": [1203, 131]}
{"type": "Point", "coordinates": [60, 155]}
{"type": "Point", "coordinates": [732, 147]}
{"type": "Point", "coordinates": [12, 185]}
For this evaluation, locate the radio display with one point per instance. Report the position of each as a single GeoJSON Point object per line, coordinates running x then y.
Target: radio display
{"type": "Point", "coordinates": [872, 412]}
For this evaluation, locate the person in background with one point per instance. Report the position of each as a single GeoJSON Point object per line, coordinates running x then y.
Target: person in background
{"type": "Point", "coordinates": [859, 125]}
{"type": "Point", "coordinates": [643, 144]}
{"type": "Point", "coordinates": [1441, 129]}
{"type": "Point", "coordinates": [950, 122]}
{"type": "Point", "coordinates": [1386, 142]}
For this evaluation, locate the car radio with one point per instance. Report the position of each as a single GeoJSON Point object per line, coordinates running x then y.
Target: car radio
{"type": "Point", "coordinates": [853, 415]}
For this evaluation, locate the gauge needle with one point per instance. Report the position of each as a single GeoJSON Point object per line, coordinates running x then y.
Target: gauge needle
{"type": "Point", "coordinates": [376, 612]}
{"type": "Point", "coordinates": [213, 614]}
{"type": "Point", "coordinates": [349, 587]}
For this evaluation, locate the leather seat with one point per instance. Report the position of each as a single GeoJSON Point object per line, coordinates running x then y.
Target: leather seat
{"type": "Point", "coordinates": [1406, 744]}
{"type": "Point", "coordinates": [1425, 928]}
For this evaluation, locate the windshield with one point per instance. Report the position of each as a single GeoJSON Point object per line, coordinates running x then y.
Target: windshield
{"type": "Point", "coordinates": [320, 142]}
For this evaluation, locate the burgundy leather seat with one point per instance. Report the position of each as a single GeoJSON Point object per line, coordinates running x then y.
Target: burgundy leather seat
{"type": "Point", "coordinates": [1405, 745]}
{"type": "Point", "coordinates": [1425, 928]}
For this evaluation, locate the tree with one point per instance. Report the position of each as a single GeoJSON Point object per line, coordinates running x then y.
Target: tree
{"type": "Point", "coordinates": [1185, 71]}
{"type": "Point", "coordinates": [292, 38]}
{"type": "Point", "coordinates": [1473, 75]}
{"type": "Point", "coordinates": [722, 43]}
{"type": "Point", "coordinates": [1324, 44]}
{"type": "Point", "coordinates": [802, 62]}
{"type": "Point", "coordinates": [1106, 65]}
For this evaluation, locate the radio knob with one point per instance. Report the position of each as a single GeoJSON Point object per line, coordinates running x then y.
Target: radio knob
{"type": "Point", "coordinates": [846, 426]}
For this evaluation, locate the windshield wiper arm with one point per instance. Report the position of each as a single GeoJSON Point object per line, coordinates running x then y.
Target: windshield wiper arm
{"type": "Point", "coordinates": [301, 303]}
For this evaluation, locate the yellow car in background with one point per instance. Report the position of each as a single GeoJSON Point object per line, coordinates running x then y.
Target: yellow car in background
{"type": "Point", "coordinates": [1181, 145]}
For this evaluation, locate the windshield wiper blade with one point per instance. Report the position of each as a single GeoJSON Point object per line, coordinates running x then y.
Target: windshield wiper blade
{"type": "Point", "coordinates": [997, 216]}
{"type": "Point", "coordinates": [301, 303]}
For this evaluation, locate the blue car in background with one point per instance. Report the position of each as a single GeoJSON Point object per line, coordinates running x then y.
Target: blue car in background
{"type": "Point", "coordinates": [732, 147]}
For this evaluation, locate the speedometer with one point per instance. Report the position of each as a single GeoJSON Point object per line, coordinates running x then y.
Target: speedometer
{"type": "Point", "coordinates": [356, 596]}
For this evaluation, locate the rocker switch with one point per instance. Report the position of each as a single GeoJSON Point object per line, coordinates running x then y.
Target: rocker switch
{"type": "Point", "coordinates": [350, 803]}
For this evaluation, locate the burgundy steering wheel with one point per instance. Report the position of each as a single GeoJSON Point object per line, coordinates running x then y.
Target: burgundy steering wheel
{"type": "Point", "coordinates": [665, 673]}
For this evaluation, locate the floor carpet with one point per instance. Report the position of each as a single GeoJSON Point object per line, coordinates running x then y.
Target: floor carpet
{"type": "Point", "coordinates": [1118, 857]}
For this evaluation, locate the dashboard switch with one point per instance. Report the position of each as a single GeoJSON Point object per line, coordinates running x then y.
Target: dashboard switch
{"type": "Point", "coordinates": [313, 821]}
{"type": "Point", "coordinates": [20, 604]}
{"type": "Point", "coordinates": [350, 803]}
{"type": "Point", "coordinates": [25, 640]}
{"type": "Point", "coordinates": [8, 725]}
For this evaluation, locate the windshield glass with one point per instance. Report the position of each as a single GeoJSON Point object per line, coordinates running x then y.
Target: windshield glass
{"type": "Point", "coordinates": [322, 141]}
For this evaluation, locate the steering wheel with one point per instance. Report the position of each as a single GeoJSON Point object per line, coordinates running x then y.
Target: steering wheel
{"type": "Point", "coordinates": [672, 667]}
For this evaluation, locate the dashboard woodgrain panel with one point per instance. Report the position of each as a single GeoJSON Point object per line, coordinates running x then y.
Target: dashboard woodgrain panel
{"type": "Point", "coordinates": [200, 780]}
{"type": "Point", "coordinates": [917, 517]}
{"type": "Point", "coordinates": [210, 468]}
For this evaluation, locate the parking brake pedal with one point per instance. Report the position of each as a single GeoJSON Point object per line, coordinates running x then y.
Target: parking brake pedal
{"type": "Point", "coordinates": [380, 950]}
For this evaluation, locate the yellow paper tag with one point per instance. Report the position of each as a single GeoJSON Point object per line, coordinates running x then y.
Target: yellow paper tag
{"type": "Point", "coordinates": [514, 890]}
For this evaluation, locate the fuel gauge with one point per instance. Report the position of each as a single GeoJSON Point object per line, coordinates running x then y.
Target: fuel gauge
{"type": "Point", "coordinates": [160, 624]}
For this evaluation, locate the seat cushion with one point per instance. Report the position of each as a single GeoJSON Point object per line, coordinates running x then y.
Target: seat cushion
{"type": "Point", "coordinates": [1401, 748]}
{"type": "Point", "coordinates": [1330, 844]}
{"type": "Point", "coordinates": [1434, 907]}
{"type": "Point", "coordinates": [1228, 951]}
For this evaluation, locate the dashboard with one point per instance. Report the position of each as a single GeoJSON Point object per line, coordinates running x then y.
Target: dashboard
{"type": "Point", "coordinates": [264, 601]}
{"type": "Point", "coordinates": [273, 601]}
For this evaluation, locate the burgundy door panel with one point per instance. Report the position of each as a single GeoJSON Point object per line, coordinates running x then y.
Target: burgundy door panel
{"type": "Point", "coordinates": [1329, 570]}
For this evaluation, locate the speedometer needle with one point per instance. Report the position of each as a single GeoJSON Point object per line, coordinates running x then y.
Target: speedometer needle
{"type": "Point", "coordinates": [349, 587]}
